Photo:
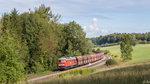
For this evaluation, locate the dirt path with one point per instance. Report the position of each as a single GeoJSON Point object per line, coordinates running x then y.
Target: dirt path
{"type": "Point", "coordinates": [91, 65]}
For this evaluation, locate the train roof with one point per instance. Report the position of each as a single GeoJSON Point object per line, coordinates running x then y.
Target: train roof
{"type": "Point", "coordinates": [68, 58]}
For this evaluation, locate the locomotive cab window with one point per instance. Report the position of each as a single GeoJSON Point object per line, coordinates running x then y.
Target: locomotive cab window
{"type": "Point", "coordinates": [59, 60]}
{"type": "Point", "coordinates": [63, 61]}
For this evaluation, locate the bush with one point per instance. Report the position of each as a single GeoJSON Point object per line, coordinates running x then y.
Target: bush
{"type": "Point", "coordinates": [110, 62]}
{"type": "Point", "coordinates": [148, 42]}
{"type": "Point", "coordinates": [106, 51]}
{"type": "Point", "coordinates": [143, 42]}
{"type": "Point", "coordinates": [108, 44]}
{"type": "Point", "coordinates": [96, 50]}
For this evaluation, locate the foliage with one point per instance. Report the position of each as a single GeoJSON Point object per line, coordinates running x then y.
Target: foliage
{"type": "Point", "coordinates": [96, 50]}
{"type": "Point", "coordinates": [106, 51]}
{"type": "Point", "coordinates": [40, 39]}
{"type": "Point", "coordinates": [11, 69]}
{"type": "Point", "coordinates": [126, 47]}
{"type": "Point", "coordinates": [108, 44]}
{"type": "Point", "coordinates": [110, 62]}
{"type": "Point", "coordinates": [115, 57]}
{"type": "Point", "coordinates": [75, 39]}
{"type": "Point", "coordinates": [116, 38]}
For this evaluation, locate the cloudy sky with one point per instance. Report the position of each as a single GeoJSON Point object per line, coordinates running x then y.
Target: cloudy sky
{"type": "Point", "coordinates": [97, 17]}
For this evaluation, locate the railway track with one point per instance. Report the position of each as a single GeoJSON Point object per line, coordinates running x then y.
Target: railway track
{"type": "Point", "coordinates": [91, 65]}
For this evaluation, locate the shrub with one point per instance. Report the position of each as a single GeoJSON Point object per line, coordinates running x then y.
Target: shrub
{"type": "Point", "coordinates": [110, 62]}
{"type": "Point", "coordinates": [96, 50]}
{"type": "Point", "coordinates": [106, 51]}
{"type": "Point", "coordinates": [108, 44]}
{"type": "Point", "coordinates": [148, 42]}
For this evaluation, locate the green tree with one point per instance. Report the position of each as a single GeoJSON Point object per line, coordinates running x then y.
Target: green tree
{"type": "Point", "coordinates": [11, 25]}
{"type": "Point", "coordinates": [74, 33]}
{"type": "Point", "coordinates": [89, 46]}
{"type": "Point", "coordinates": [12, 68]}
{"type": "Point", "coordinates": [145, 41]}
{"type": "Point", "coordinates": [126, 47]}
{"type": "Point", "coordinates": [134, 40]}
{"type": "Point", "coordinates": [38, 32]}
{"type": "Point", "coordinates": [69, 50]}
{"type": "Point", "coordinates": [5, 21]}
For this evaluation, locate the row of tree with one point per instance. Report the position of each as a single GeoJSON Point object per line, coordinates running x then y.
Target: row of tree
{"type": "Point", "coordinates": [32, 42]}
{"type": "Point", "coordinates": [116, 37]}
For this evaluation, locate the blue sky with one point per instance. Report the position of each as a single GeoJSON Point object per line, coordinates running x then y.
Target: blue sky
{"type": "Point", "coordinates": [97, 17]}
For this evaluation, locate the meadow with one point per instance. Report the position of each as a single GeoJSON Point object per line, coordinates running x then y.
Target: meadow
{"type": "Point", "coordinates": [139, 74]}
{"type": "Point", "coordinates": [141, 52]}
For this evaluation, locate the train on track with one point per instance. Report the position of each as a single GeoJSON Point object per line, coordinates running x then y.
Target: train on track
{"type": "Point", "coordinates": [71, 62]}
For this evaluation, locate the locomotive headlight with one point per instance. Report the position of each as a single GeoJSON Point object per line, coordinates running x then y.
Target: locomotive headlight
{"type": "Point", "coordinates": [61, 64]}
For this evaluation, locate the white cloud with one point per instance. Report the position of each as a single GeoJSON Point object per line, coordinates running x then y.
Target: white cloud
{"type": "Point", "coordinates": [104, 31]}
{"type": "Point", "coordinates": [93, 30]}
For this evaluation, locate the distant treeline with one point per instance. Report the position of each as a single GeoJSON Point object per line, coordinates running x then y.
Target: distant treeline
{"type": "Point", "coordinates": [116, 37]}
{"type": "Point", "coordinates": [32, 42]}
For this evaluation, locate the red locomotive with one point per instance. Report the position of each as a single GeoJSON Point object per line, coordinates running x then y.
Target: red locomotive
{"type": "Point", "coordinates": [70, 62]}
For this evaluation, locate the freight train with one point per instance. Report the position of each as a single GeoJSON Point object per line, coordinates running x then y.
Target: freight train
{"type": "Point", "coordinates": [71, 62]}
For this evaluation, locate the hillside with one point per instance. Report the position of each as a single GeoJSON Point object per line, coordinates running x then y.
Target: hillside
{"type": "Point", "coordinates": [137, 74]}
{"type": "Point", "coordinates": [140, 52]}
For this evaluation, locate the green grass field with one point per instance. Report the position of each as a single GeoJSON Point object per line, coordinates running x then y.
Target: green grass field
{"type": "Point", "coordinates": [141, 52]}
{"type": "Point", "coordinates": [137, 74]}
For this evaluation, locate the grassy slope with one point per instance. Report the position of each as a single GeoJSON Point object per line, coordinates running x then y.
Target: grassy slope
{"type": "Point", "coordinates": [141, 52]}
{"type": "Point", "coordinates": [127, 75]}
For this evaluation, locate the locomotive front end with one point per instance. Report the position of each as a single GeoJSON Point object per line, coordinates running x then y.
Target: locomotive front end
{"type": "Point", "coordinates": [61, 64]}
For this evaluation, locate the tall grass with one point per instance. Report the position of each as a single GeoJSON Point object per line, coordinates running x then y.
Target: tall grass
{"type": "Point", "coordinates": [129, 75]}
{"type": "Point", "coordinates": [75, 72]}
